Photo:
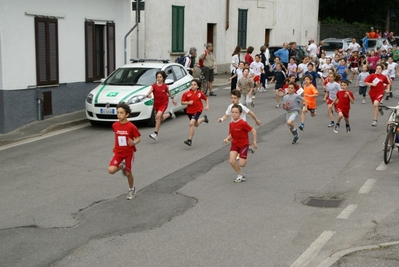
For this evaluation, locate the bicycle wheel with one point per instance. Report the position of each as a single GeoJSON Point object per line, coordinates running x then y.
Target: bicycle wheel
{"type": "Point", "coordinates": [389, 144]}
{"type": "Point", "coordinates": [204, 86]}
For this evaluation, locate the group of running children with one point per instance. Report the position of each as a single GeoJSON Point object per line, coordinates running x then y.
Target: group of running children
{"type": "Point", "coordinates": [296, 101]}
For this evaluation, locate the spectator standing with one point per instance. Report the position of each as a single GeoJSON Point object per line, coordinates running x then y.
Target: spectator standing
{"type": "Point", "coordinates": [248, 58]}
{"type": "Point", "coordinates": [189, 60]}
{"type": "Point", "coordinates": [283, 54]}
{"type": "Point", "coordinates": [385, 34]}
{"type": "Point", "coordinates": [209, 66]}
{"type": "Point", "coordinates": [265, 56]}
{"type": "Point", "coordinates": [365, 43]}
{"type": "Point", "coordinates": [292, 51]}
{"type": "Point", "coordinates": [391, 39]}
{"type": "Point", "coordinates": [235, 61]}
{"type": "Point", "coordinates": [312, 50]}
{"type": "Point", "coordinates": [371, 33]}
{"type": "Point", "coordinates": [354, 46]}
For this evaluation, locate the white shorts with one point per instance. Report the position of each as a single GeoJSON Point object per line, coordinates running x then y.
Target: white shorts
{"type": "Point", "coordinates": [291, 115]}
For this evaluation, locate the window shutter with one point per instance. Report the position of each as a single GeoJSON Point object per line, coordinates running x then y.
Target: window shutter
{"type": "Point", "coordinates": [110, 47]}
{"type": "Point", "coordinates": [53, 51]}
{"type": "Point", "coordinates": [46, 34]}
{"type": "Point", "coordinates": [177, 28]}
{"type": "Point", "coordinates": [242, 28]}
{"type": "Point", "coordinates": [90, 50]}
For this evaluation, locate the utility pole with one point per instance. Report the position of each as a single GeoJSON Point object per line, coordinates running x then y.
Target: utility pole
{"type": "Point", "coordinates": [138, 5]}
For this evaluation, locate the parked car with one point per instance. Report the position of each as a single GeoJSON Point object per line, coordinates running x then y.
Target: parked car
{"type": "Point", "coordinates": [332, 44]}
{"type": "Point", "coordinates": [299, 48]}
{"type": "Point", "coordinates": [130, 84]}
{"type": "Point", "coordinates": [375, 43]}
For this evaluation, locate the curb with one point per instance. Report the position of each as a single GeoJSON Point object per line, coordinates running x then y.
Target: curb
{"type": "Point", "coordinates": [51, 128]}
{"type": "Point", "coordinates": [336, 256]}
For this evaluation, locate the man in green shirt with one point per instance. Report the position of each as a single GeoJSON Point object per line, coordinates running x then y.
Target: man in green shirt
{"type": "Point", "coordinates": [395, 54]}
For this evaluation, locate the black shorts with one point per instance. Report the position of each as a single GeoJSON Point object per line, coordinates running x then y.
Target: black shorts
{"type": "Point", "coordinates": [209, 74]}
{"type": "Point", "coordinates": [194, 116]}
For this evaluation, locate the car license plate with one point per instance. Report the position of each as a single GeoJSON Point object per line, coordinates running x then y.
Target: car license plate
{"type": "Point", "coordinates": [107, 111]}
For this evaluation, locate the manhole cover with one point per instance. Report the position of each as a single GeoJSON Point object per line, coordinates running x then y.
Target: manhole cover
{"type": "Point", "coordinates": [322, 202]}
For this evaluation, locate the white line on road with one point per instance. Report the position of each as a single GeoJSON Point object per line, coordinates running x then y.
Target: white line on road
{"type": "Point", "coordinates": [367, 186]}
{"type": "Point", "coordinates": [313, 250]}
{"type": "Point", "coordinates": [381, 167]}
{"type": "Point", "coordinates": [347, 212]}
{"type": "Point", "coordinates": [30, 140]}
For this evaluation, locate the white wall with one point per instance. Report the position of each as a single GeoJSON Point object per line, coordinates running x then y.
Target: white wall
{"type": "Point", "coordinates": [282, 17]}
{"type": "Point", "coordinates": [18, 36]}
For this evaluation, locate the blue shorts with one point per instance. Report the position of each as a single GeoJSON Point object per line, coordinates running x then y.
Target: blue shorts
{"type": "Point", "coordinates": [194, 116]}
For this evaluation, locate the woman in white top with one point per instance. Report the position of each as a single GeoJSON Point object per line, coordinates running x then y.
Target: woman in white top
{"type": "Point", "coordinates": [235, 60]}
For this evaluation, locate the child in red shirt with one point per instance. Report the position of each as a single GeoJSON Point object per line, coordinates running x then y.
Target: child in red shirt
{"type": "Point", "coordinates": [238, 135]}
{"type": "Point", "coordinates": [343, 103]}
{"type": "Point", "coordinates": [161, 94]}
{"type": "Point", "coordinates": [127, 136]}
{"type": "Point", "coordinates": [193, 99]}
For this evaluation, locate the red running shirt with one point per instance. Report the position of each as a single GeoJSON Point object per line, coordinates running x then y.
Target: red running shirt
{"type": "Point", "coordinates": [343, 100]}
{"type": "Point", "coordinates": [161, 97]}
{"type": "Point", "coordinates": [197, 98]}
{"type": "Point", "coordinates": [239, 132]}
{"type": "Point", "coordinates": [382, 82]}
{"type": "Point", "coordinates": [122, 133]}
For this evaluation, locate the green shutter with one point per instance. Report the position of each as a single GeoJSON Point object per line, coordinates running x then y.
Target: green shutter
{"type": "Point", "coordinates": [177, 28]}
{"type": "Point", "coordinates": [242, 28]}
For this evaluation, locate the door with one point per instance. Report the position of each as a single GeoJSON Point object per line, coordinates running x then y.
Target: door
{"type": "Point", "coordinates": [210, 33]}
{"type": "Point", "coordinates": [267, 36]}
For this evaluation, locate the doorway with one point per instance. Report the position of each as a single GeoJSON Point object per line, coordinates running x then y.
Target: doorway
{"type": "Point", "coordinates": [267, 36]}
{"type": "Point", "coordinates": [99, 47]}
{"type": "Point", "coordinates": [210, 33]}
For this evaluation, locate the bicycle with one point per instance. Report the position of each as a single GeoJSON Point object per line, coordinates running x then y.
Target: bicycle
{"type": "Point", "coordinates": [392, 132]}
{"type": "Point", "coordinates": [204, 83]}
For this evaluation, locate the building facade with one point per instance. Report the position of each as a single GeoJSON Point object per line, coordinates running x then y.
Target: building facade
{"type": "Point", "coordinates": [169, 28]}
{"type": "Point", "coordinates": [53, 52]}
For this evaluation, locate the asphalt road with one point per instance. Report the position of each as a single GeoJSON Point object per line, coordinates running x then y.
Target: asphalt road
{"type": "Point", "coordinates": [60, 207]}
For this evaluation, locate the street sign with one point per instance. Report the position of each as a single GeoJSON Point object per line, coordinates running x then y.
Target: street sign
{"type": "Point", "coordinates": [141, 5]}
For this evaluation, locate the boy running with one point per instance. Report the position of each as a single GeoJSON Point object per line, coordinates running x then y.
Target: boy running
{"type": "Point", "coordinates": [127, 136]}
{"type": "Point", "coordinates": [309, 93]}
{"type": "Point", "coordinates": [360, 82]}
{"type": "Point", "coordinates": [238, 134]}
{"type": "Point", "coordinates": [161, 100]}
{"type": "Point", "coordinates": [235, 100]}
{"type": "Point", "coordinates": [292, 103]}
{"type": "Point", "coordinates": [332, 88]}
{"type": "Point", "coordinates": [377, 82]}
{"type": "Point", "coordinates": [343, 103]}
{"type": "Point", "coordinates": [258, 68]}
{"type": "Point", "coordinates": [193, 99]}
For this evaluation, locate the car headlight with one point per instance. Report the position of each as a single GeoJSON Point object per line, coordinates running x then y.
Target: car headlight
{"type": "Point", "coordinates": [136, 99]}
{"type": "Point", "coordinates": [89, 98]}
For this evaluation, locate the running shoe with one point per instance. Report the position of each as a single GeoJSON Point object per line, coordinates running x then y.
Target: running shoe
{"type": "Point", "coordinates": [188, 142]}
{"type": "Point", "coordinates": [331, 124]}
{"type": "Point", "coordinates": [364, 101]}
{"type": "Point", "coordinates": [301, 126]}
{"type": "Point", "coordinates": [212, 94]}
{"type": "Point", "coordinates": [240, 178]}
{"type": "Point", "coordinates": [296, 139]}
{"type": "Point", "coordinates": [131, 194]}
{"type": "Point", "coordinates": [172, 114]}
{"type": "Point", "coordinates": [348, 128]}
{"type": "Point", "coordinates": [374, 124]}
{"type": "Point", "coordinates": [381, 111]}
{"type": "Point", "coordinates": [278, 105]}
{"type": "Point", "coordinates": [336, 128]}
{"type": "Point", "coordinates": [206, 119]}
{"type": "Point", "coordinates": [154, 136]}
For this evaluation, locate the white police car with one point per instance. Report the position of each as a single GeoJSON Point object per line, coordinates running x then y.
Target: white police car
{"type": "Point", "coordinates": [130, 84]}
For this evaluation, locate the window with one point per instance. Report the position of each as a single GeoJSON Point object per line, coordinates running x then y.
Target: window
{"type": "Point", "coordinates": [242, 28]}
{"type": "Point", "coordinates": [99, 40]}
{"type": "Point", "coordinates": [177, 28]}
{"type": "Point", "coordinates": [179, 72]}
{"type": "Point", "coordinates": [46, 35]}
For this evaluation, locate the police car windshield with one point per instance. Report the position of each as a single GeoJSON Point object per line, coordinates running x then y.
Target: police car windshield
{"type": "Point", "coordinates": [132, 76]}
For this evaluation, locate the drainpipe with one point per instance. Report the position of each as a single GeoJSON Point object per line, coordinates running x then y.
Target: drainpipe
{"type": "Point", "coordinates": [127, 34]}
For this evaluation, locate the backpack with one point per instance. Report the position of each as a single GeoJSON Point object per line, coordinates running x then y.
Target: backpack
{"type": "Point", "coordinates": [201, 61]}
{"type": "Point", "coordinates": [181, 60]}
